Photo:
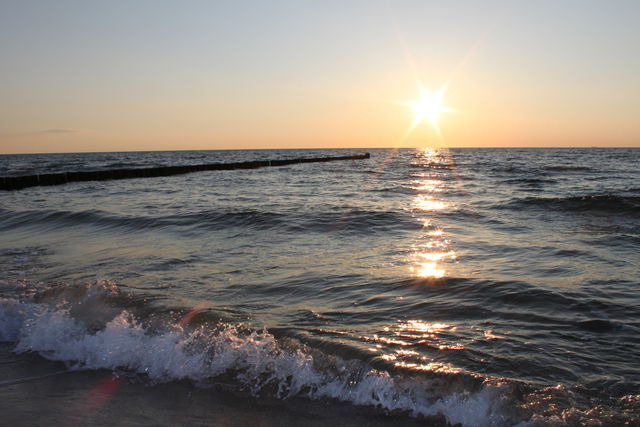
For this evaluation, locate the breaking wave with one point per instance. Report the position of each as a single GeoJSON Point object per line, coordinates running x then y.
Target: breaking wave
{"type": "Point", "coordinates": [78, 326]}
{"type": "Point", "coordinates": [100, 327]}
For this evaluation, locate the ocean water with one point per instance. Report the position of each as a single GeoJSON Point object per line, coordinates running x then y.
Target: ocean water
{"type": "Point", "coordinates": [460, 286]}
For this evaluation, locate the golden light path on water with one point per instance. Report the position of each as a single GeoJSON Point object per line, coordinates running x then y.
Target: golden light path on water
{"type": "Point", "coordinates": [414, 344]}
{"type": "Point", "coordinates": [433, 248]}
{"type": "Point", "coordinates": [411, 333]}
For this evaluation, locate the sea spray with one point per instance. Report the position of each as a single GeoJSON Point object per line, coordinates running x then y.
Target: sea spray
{"type": "Point", "coordinates": [256, 361]}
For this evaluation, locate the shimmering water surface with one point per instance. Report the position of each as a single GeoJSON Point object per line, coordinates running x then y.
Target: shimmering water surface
{"type": "Point", "coordinates": [485, 286]}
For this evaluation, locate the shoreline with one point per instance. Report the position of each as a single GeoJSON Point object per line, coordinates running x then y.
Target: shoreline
{"type": "Point", "coordinates": [36, 391]}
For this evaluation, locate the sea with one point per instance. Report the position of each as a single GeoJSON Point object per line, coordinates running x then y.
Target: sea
{"type": "Point", "coordinates": [471, 287]}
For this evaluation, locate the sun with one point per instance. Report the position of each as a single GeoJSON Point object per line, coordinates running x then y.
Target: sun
{"type": "Point", "coordinates": [428, 106]}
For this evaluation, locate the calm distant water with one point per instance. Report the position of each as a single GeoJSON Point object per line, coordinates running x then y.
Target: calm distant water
{"type": "Point", "coordinates": [490, 286]}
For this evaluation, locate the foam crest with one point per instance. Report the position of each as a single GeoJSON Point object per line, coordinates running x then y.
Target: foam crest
{"type": "Point", "coordinates": [255, 360]}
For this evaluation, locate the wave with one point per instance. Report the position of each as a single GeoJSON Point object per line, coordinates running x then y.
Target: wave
{"type": "Point", "coordinates": [398, 189]}
{"type": "Point", "coordinates": [531, 181]}
{"type": "Point", "coordinates": [433, 165]}
{"type": "Point", "coordinates": [608, 204]}
{"type": "Point", "coordinates": [126, 165]}
{"type": "Point", "coordinates": [360, 221]}
{"type": "Point", "coordinates": [507, 300]}
{"type": "Point", "coordinates": [99, 326]}
{"type": "Point", "coordinates": [508, 169]}
{"type": "Point", "coordinates": [566, 168]}
{"type": "Point", "coordinates": [86, 332]}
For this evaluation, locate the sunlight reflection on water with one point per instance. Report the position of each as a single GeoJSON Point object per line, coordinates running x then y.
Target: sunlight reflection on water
{"type": "Point", "coordinates": [427, 203]}
{"type": "Point", "coordinates": [433, 248]}
{"type": "Point", "coordinates": [395, 341]}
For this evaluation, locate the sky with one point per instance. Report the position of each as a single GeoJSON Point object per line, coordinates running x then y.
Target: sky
{"type": "Point", "coordinates": [173, 75]}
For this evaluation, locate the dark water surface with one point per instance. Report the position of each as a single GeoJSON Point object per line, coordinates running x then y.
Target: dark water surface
{"type": "Point", "coordinates": [476, 286]}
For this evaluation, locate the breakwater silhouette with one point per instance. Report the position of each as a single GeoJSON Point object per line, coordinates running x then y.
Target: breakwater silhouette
{"type": "Point", "coordinates": [20, 182]}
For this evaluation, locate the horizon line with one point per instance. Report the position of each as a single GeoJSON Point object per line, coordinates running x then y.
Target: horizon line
{"type": "Point", "coordinates": [335, 148]}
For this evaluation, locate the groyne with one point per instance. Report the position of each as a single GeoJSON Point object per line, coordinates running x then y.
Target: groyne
{"type": "Point", "coordinates": [20, 182]}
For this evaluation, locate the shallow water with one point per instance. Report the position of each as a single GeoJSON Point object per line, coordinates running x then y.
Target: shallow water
{"type": "Point", "coordinates": [488, 286]}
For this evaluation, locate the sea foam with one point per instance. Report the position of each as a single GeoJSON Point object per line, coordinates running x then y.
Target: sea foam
{"type": "Point", "coordinates": [253, 360]}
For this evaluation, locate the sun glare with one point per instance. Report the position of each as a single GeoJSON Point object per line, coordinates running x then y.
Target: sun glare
{"type": "Point", "coordinates": [429, 106]}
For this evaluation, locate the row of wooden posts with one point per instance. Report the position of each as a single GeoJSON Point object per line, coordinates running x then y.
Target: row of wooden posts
{"type": "Point", "coordinates": [19, 182]}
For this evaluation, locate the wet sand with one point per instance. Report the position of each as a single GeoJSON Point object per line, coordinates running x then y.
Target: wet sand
{"type": "Point", "coordinates": [38, 392]}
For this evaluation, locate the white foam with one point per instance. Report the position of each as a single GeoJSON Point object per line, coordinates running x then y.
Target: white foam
{"type": "Point", "coordinates": [256, 360]}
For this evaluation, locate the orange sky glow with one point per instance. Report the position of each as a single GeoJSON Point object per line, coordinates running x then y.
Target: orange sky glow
{"type": "Point", "coordinates": [164, 76]}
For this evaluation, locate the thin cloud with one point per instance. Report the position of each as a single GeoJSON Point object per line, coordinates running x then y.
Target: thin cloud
{"type": "Point", "coordinates": [54, 131]}
{"type": "Point", "coordinates": [40, 132]}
